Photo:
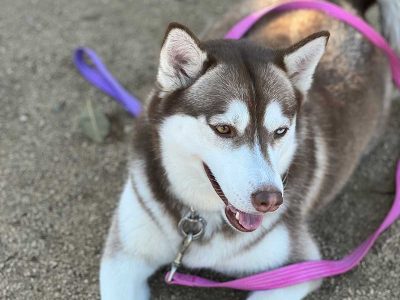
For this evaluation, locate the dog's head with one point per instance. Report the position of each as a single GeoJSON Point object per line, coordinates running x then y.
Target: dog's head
{"type": "Point", "coordinates": [228, 114]}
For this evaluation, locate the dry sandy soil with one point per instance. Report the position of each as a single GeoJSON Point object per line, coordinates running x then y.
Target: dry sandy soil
{"type": "Point", "coordinates": [58, 189]}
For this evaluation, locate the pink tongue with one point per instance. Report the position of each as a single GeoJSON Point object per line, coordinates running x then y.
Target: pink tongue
{"type": "Point", "coordinates": [249, 221]}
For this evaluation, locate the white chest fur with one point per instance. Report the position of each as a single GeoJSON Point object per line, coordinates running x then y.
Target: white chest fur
{"type": "Point", "coordinates": [158, 242]}
{"type": "Point", "coordinates": [230, 255]}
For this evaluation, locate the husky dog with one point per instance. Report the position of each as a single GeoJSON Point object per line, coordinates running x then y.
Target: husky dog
{"type": "Point", "coordinates": [238, 131]}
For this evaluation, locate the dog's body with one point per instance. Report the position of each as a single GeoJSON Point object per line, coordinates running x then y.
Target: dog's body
{"type": "Point", "coordinates": [228, 124]}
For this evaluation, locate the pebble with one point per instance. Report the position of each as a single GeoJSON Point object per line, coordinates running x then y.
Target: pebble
{"type": "Point", "coordinates": [23, 118]}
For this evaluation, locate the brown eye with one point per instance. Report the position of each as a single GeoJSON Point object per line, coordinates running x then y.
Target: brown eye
{"type": "Point", "coordinates": [280, 132]}
{"type": "Point", "coordinates": [224, 130]}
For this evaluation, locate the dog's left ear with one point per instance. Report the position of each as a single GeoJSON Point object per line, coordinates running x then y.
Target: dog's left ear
{"type": "Point", "coordinates": [302, 58]}
{"type": "Point", "coordinates": [181, 58]}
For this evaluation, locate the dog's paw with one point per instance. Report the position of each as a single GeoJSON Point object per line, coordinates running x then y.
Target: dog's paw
{"type": "Point", "coordinates": [295, 292]}
{"type": "Point", "coordinates": [274, 295]}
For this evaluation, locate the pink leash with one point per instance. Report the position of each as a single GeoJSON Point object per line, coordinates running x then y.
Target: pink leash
{"type": "Point", "coordinates": [309, 270]}
{"type": "Point", "coordinates": [97, 74]}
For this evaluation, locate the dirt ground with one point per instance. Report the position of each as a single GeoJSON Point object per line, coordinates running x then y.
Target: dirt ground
{"type": "Point", "coordinates": [58, 189]}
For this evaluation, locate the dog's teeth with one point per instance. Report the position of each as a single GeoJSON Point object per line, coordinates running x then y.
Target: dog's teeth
{"type": "Point", "coordinates": [237, 215]}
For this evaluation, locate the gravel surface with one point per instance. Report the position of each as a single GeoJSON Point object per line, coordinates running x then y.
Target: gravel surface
{"type": "Point", "coordinates": [58, 189]}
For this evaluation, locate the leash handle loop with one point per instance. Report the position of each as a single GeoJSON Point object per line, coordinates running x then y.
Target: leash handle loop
{"type": "Point", "coordinates": [98, 75]}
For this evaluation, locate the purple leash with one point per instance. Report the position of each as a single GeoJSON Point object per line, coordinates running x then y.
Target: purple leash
{"type": "Point", "coordinates": [297, 273]}
{"type": "Point", "coordinates": [100, 77]}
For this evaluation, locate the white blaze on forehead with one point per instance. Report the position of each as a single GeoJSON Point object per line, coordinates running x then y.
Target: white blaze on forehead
{"type": "Point", "coordinates": [274, 117]}
{"type": "Point", "coordinates": [236, 115]}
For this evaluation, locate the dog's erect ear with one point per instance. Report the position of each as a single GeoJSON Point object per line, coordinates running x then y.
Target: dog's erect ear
{"type": "Point", "coordinates": [181, 58]}
{"type": "Point", "coordinates": [302, 58]}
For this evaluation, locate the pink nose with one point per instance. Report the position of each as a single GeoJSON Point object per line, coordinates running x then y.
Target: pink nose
{"type": "Point", "coordinates": [267, 200]}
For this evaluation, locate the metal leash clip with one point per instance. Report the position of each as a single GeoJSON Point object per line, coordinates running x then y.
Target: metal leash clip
{"type": "Point", "coordinates": [191, 227]}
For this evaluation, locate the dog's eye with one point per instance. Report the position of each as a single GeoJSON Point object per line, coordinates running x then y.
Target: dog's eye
{"type": "Point", "coordinates": [280, 132]}
{"type": "Point", "coordinates": [224, 130]}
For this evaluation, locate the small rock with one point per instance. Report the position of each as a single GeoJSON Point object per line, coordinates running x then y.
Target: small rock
{"type": "Point", "coordinates": [23, 118]}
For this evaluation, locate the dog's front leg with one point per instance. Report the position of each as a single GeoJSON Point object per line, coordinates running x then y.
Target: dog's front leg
{"type": "Point", "coordinates": [124, 277]}
{"type": "Point", "coordinates": [298, 291]}
{"type": "Point", "coordinates": [134, 249]}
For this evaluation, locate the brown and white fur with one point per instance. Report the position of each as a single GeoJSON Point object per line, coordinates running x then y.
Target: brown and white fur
{"type": "Point", "coordinates": [294, 129]}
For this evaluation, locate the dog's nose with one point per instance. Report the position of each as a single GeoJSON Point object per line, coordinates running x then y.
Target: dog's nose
{"type": "Point", "coordinates": [267, 201]}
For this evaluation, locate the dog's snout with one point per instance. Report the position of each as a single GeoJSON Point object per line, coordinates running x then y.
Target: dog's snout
{"type": "Point", "coordinates": [267, 200]}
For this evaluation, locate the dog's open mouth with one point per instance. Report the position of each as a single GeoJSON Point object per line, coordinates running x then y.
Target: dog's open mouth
{"type": "Point", "coordinates": [242, 221]}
